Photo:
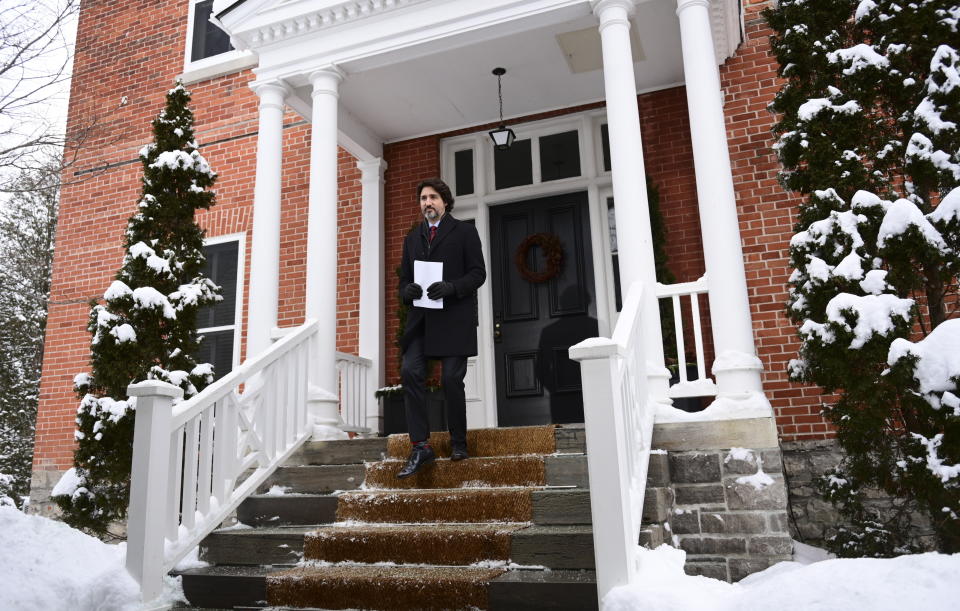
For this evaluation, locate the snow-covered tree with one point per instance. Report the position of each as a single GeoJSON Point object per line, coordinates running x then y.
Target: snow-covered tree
{"type": "Point", "coordinates": [145, 328]}
{"type": "Point", "coordinates": [869, 132]}
{"type": "Point", "coordinates": [28, 221]}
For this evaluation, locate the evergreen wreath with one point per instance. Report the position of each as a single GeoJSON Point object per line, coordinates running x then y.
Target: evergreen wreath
{"type": "Point", "coordinates": [552, 249]}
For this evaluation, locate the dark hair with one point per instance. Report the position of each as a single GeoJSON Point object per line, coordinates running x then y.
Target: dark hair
{"type": "Point", "coordinates": [440, 187]}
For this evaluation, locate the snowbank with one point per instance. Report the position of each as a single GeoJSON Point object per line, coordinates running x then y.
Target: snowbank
{"type": "Point", "coordinates": [47, 565]}
{"type": "Point", "coordinates": [923, 581]}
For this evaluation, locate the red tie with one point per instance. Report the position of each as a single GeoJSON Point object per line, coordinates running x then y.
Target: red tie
{"type": "Point", "coordinates": [433, 232]}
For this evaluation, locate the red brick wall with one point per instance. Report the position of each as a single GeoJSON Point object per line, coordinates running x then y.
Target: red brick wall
{"type": "Point", "coordinates": [766, 225]}
{"type": "Point", "coordinates": [135, 50]}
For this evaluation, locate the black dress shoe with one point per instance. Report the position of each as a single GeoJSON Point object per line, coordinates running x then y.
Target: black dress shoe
{"type": "Point", "coordinates": [420, 456]}
{"type": "Point", "coordinates": [459, 454]}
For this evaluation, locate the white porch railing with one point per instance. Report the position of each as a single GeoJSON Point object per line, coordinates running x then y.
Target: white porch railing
{"type": "Point", "coordinates": [356, 392]}
{"type": "Point", "coordinates": [618, 415]}
{"type": "Point", "coordinates": [678, 293]}
{"type": "Point", "coordinates": [190, 459]}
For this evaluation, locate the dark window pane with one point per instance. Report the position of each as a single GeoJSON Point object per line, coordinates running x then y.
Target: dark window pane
{"type": "Point", "coordinates": [605, 144]}
{"type": "Point", "coordinates": [559, 156]}
{"type": "Point", "coordinates": [221, 267]}
{"type": "Point", "coordinates": [514, 166]}
{"type": "Point", "coordinates": [208, 39]}
{"type": "Point", "coordinates": [216, 348]}
{"type": "Point", "coordinates": [463, 168]}
{"type": "Point", "coordinates": [615, 259]}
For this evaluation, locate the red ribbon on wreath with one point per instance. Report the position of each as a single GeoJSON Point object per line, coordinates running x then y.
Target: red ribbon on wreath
{"type": "Point", "coordinates": [552, 249]}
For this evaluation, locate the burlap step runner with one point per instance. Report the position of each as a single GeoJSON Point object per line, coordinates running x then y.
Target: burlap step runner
{"type": "Point", "coordinates": [441, 544]}
{"type": "Point", "coordinates": [417, 506]}
{"type": "Point", "coordinates": [381, 587]}
{"type": "Point", "coordinates": [486, 442]}
{"type": "Point", "coordinates": [473, 473]}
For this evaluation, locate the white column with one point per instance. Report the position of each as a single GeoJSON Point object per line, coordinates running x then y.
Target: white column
{"type": "Point", "coordinates": [265, 248]}
{"type": "Point", "coordinates": [737, 367]}
{"type": "Point", "coordinates": [321, 299]}
{"type": "Point", "coordinates": [372, 278]}
{"type": "Point", "coordinates": [629, 184]}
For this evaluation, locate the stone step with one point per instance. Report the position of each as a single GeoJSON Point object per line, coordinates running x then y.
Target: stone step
{"type": "Point", "coordinates": [225, 587]}
{"type": "Point", "coordinates": [436, 544]}
{"type": "Point", "coordinates": [255, 546]}
{"type": "Point", "coordinates": [340, 451]}
{"type": "Point", "coordinates": [554, 547]}
{"type": "Point", "coordinates": [560, 470]}
{"type": "Point", "coordinates": [370, 587]}
{"type": "Point", "coordinates": [289, 509]}
{"type": "Point", "coordinates": [316, 479]}
{"type": "Point", "coordinates": [538, 505]}
{"type": "Point", "coordinates": [544, 591]}
{"type": "Point", "coordinates": [440, 505]}
{"type": "Point", "coordinates": [507, 441]}
{"type": "Point", "coordinates": [405, 587]}
{"type": "Point", "coordinates": [568, 438]}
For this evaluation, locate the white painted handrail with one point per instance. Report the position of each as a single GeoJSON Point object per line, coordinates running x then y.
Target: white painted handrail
{"type": "Point", "coordinates": [618, 415]}
{"type": "Point", "coordinates": [703, 385]}
{"type": "Point", "coordinates": [194, 462]}
{"type": "Point", "coordinates": [356, 391]}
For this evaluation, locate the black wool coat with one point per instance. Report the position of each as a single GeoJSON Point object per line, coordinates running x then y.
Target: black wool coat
{"type": "Point", "coordinates": [451, 331]}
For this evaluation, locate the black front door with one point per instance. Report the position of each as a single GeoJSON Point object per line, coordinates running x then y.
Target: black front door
{"type": "Point", "coordinates": [536, 322]}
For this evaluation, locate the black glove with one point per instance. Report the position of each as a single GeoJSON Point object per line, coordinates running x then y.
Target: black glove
{"type": "Point", "coordinates": [412, 291]}
{"type": "Point", "coordinates": [439, 290]}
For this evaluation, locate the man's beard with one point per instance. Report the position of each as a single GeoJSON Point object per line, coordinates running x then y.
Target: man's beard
{"type": "Point", "coordinates": [430, 214]}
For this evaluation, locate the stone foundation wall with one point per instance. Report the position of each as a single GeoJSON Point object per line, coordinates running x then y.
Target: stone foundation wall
{"type": "Point", "coordinates": [730, 512]}
{"type": "Point", "coordinates": [814, 519]}
{"type": "Point", "coordinates": [41, 485]}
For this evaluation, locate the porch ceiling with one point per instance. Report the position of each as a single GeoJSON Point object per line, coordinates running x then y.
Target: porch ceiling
{"type": "Point", "coordinates": [424, 66]}
{"type": "Point", "coordinates": [448, 90]}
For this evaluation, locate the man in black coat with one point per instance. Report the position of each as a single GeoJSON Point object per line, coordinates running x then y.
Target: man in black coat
{"type": "Point", "coordinates": [448, 334]}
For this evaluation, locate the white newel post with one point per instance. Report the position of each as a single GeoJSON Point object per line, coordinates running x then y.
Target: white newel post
{"type": "Point", "coordinates": [372, 279]}
{"type": "Point", "coordinates": [149, 481]}
{"type": "Point", "coordinates": [615, 550]}
{"type": "Point", "coordinates": [321, 300]}
{"type": "Point", "coordinates": [737, 368]}
{"type": "Point", "coordinates": [265, 247]}
{"type": "Point", "coordinates": [629, 184]}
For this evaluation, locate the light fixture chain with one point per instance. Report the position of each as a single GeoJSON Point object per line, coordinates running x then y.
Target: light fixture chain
{"type": "Point", "coordinates": [500, 96]}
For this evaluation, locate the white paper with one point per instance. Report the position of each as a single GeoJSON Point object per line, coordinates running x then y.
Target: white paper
{"type": "Point", "coordinates": [426, 273]}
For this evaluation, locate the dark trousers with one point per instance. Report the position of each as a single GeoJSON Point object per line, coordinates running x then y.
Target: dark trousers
{"type": "Point", "coordinates": [414, 374]}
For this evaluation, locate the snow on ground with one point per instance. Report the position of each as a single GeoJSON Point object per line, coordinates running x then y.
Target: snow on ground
{"type": "Point", "coordinates": [810, 583]}
{"type": "Point", "coordinates": [47, 565]}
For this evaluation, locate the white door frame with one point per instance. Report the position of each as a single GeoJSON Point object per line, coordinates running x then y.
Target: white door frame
{"type": "Point", "coordinates": [481, 385]}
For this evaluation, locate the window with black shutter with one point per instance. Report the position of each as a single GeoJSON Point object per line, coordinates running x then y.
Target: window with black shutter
{"type": "Point", "coordinates": [207, 39]}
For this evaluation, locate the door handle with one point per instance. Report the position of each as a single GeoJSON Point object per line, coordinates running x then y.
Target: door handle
{"type": "Point", "coordinates": [498, 328]}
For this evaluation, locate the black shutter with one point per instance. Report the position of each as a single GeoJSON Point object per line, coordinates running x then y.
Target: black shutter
{"type": "Point", "coordinates": [208, 39]}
